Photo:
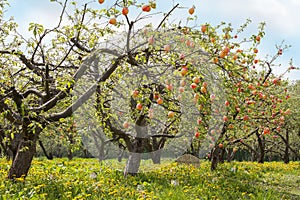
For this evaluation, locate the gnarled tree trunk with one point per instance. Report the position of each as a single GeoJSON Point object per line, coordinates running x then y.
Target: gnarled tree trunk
{"type": "Point", "coordinates": [23, 159]}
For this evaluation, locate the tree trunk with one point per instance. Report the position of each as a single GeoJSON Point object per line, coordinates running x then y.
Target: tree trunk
{"type": "Point", "coordinates": [49, 156]}
{"type": "Point", "coordinates": [133, 164]}
{"type": "Point", "coordinates": [261, 146]}
{"type": "Point", "coordinates": [23, 159]}
{"type": "Point", "coordinates": [221, 155]}
{"type": "Point", "coordinates": [215, 158]}
{"type": "Point", "coordinates": [286, 157]}
{"type": "Point", "coordinates": [156, 156]}
{"type": "Point", "coordinates": [70, 154]}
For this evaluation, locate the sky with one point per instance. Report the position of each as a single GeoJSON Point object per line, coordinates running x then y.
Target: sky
{"type": "Point", "coordinates": [281, 17]}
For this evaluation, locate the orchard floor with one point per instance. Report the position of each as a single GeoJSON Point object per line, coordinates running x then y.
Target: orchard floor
{"type": "Point", "coordinates": [87, 179]}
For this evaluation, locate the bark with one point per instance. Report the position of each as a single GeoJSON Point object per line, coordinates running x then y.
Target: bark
{"type": "Point", "coordinates": [261, 146]}
{"type": "Point", "coordinates": [70, 154]}
{"type": "Point", "coordinates": [286, 157]}
{"type": "Point", "coordinates": [156, 156]}
{"type": "Point", "coordinates": [23, 158]}
{"type": "Point", "coordinates": [48, 156]}
{"type": "Point", "coordinates": [133, 164]}
{"type": "Point", "coordinates": [215, 158]}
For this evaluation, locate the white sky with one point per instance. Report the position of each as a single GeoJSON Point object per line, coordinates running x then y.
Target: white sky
{"type": "Point", "coordinates": [282, 18]}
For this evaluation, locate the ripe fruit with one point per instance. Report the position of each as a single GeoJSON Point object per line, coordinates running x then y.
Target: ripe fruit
{"type": "Point", "coordinates": [126, 125]}
{"type": "Point", "coordinates": [246, 117]}
{"type": "Point", "coordinates": [199, 121]}
{"type": "Point", "coordinates": [101, 1]}
{"type": "Point", "coordinates": [181, 56]}
{"type": "Point", "coordinates": [181, 89]}
{"type": "Point", "coordinates": [227, 103]}
{"type": "Point", "coordinates": [192, 10]}
{"type": "Point", "coordinates": [215, 60]}
{"type": "Point", "coordinates": [139, 106]}
{"type": "Point", "coordinates": [182, 83]}
{"type": "Point", "coordinates": [225, 118]}
{"type": "Point", "coordinates": [196, 80]}
{"type": "Point", "coordinates": [220, 145]}
{"type": "Point", "coordinates": [167, 47]}
{"type": "Point", "coordinates": [226, 50]}
{"type": "Point", "coordinates": [159, 101]}
{"type": "Point", "coordinates": [113, 21]}
{"type": "Point", "coordinates": [255, 61]}
{"type": "Point", "coordinates": [203, 28]}
{"type": "Point", "coordinates": [146, 8]}
{"type": "Point", "coordinates": [197, 134]}
{"type": "Point", "coordinates": [135, 93]}
{"type": "Point", "coordinates": [125, 11]}
{"type": "Point", "coordinates": [184, 71]}
{"type": "Point", "coordinates": [151, 40]}
{"type": "Point", "coordinates": [266, 131]}
{"type": "Point", "coordinates": [222, 54]}
{"type": "Point", "coordinates": [193, 85]}
{"type": "Point", "coordinates": [171, 114]}
{"type": "Point", "coordinates": [257, 38]}
{"type": "Point", "coordinates": [156, 95]}
{"type": "Point", "coordinates": [255, 50]}
{"type": "Point", "coordinates": [169, 87]}
{"type": "Point", "coordinates": [203, 89]}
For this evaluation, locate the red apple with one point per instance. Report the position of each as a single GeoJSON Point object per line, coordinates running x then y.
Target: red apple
{"type": "Point", "coordinates": [193, 86]}
{"type": "Point", "coordinates": [159, 101]}
{"type": "Point", "coordinates": [196, 80]}
{"type": "Point", "coordinates": [199, 121]}
{"type": "Point", "coordinates": [203, 28]}
{"type": "Point", "coordinates": [113, 21]}
{"type": "Point", "coordinates": [146, 8]}
{"type": "Point", "coordinates": [171, 114]}
{"type": "Point", "coordinates": [126, 125]}
{"type": "Point", "coordinates": [125, 11]}
{"type": "Point", "coordinates": [246, 117]}
{"type": "Point", "coordinates": [181, 89]}
{"type": "Point", "coordinates": [184, 71]}
{"type": "Point", "coordinates": [135, 93]}
{"type": "Point", "coordinates": [167, 47]}
{"type": "Point", "coordinates": [227, 103]}
{"type": "Point", "coordinates": [151, 40]}
{"type": "Point", "coordinates": [192, 10]}
{"type": "Point", "coordinates": [169, 87]}
{"type": "Point", "coordinates": [139, 106]}
{"type": "Point", "coordinates": [197, 134]}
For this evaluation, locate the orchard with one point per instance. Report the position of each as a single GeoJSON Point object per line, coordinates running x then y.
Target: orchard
{"type": "Point", "coordinates": [111, 81]}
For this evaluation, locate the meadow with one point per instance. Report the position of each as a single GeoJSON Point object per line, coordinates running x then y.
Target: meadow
{"type": "Point", "coordinates": [87, 179]}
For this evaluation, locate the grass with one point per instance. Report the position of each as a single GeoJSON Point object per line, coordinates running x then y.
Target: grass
{"type": "Point", "coordinates": [86, 179]}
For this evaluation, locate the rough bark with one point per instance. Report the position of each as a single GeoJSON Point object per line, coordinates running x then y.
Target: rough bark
{"type": "Point", "coordinates": [48, 156]}
{"type": "Point", "coordinates": [133, 164]}
{"type": "Point", "coordinates": [156, 156]}
{"type": "Point", "coordinates": [215, 158]}
{"type": "Point", "coordinates": [23, 158]}
{"type": "Point", "coordinates": [286, 157]}
{"type": "Point", "coordinates": [261, 146]}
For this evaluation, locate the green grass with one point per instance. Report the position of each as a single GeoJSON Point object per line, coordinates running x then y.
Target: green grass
{"type": "Point", "coordinates": [86, 179]}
